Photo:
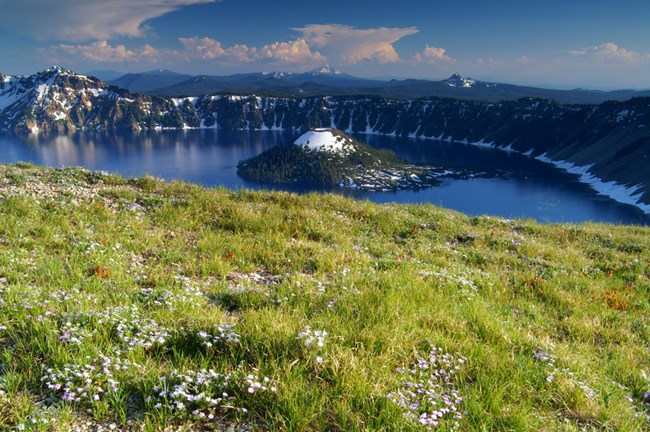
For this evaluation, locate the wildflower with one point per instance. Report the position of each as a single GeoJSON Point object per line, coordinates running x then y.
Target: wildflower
{"type": "Point", "coordinates": [646, 396]}
{"type": "Point", "coordinates": [428, 395]}
{"type": "Point", "coordinates": [224, 334]}
{"type": "Point", "coordinates": [550, 378]}
{"type": "Point", "coordinates": [541, 355]}
{"type": "Point", "coordinates": [310, 336]}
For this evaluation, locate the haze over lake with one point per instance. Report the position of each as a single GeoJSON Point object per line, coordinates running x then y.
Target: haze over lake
{"type": "Point", "coordinates": [512, 186]}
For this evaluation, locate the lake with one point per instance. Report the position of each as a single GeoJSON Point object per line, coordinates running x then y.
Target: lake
{"type": "Point", "coordinates": [517, 186]}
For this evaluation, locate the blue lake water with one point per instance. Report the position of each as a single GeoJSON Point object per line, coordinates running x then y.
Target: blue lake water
{"type": "Point", "coordinates": [523, 187]}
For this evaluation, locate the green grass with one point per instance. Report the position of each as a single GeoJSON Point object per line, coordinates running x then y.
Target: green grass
{"type": "Point", "coordinates": [118, 290]}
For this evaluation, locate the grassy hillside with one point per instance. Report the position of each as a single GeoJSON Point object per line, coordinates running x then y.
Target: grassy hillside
{"type": "Point", "coordinates": [136, 304]}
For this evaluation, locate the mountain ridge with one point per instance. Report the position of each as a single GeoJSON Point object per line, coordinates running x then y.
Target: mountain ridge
{"type": "Point", "coordinates": [327, 81]}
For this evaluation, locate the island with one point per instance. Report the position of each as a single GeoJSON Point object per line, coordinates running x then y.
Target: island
{"type": "Point", "coordinates": [329, 157]}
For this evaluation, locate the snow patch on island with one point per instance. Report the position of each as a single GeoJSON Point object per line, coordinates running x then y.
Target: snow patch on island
{"type": "Point", "coordinates": [324, 139]}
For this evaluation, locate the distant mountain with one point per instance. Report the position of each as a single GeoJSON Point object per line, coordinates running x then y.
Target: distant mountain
{"type": "Point", "coordinates": [322, 81]}
{"type": "Point", "coordinates": [327, 81]}
{"type": "Point", "coordinates": [326, 70]}
{"type": "Point", "coordinates": [608, 144]}
{"type": "Point", "coordinates": [458, 81]}
{"type": "Point", "coordinates": [146, 81]}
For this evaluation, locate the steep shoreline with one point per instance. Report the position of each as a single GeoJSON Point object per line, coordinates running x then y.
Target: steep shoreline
{"type": "Point", "coordinates": [618, 192]}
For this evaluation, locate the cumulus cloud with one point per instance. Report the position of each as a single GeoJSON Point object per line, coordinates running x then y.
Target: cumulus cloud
{"type": "Point", "coordinates": [352, 45]}
{"type": "Point", "coordinates": [194, 49]}
{"type": "Point", "coordinates": [74, 20]}
{"type": "Point", "coordinates": [609, 51]}
{"type": "Point", "coordinates": [297, 51]}
{"type": "Point", "coordinates": [103, 52]}
{"type": "Point", "coordinates": [204, 48]}
{"type": "Point", "coordinates": [434, 55]}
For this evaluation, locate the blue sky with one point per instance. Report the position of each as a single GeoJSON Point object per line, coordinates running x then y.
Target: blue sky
{"type": "Point", "coordinates": [552, 43]}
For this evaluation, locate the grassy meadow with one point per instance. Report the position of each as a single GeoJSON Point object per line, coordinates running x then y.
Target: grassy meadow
{"type": "Point", "coordinates": [135, 304]}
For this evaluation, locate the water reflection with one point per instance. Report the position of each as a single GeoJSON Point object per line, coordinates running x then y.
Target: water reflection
{"type": "Point", "coordinates": [526, 188]}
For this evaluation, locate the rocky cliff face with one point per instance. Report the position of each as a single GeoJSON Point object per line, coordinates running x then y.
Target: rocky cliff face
{"type": "Point", "coordinates": [610, 141]}
{"type": "Point", "coordinates": [59, 100]}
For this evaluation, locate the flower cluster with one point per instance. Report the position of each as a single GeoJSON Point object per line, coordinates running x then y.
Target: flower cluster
{"type": "Point", "coordinates": [224, 333]}
{"type": "Point", "coordinates": [309, 337]}
{"type": "Point", "coordinates": [200, 394]}
{"type": "Point", "coordinates": [41, 306]}
{"type": "Point", "coordinates": [125, 323]}
{"type": "Point", "coordinates": [206, 394]}
{"type": "Point", "coordinates": [256, 384]}
{"type": "Point", "coordinates": [88, 383]}
{"type": "Point", "coordinates": [542, 356]}
{"type": "Point", "coordinates": [141, 332]}
{"type": "Point", "coordinates": [257, 286]}
{"type": "Point", "coordinates": [42, 419]}
{"type": "Point", "coordinates": [187, 295]}
{"type": "Point", "coordinates": [465, 280]}
{"type": "Point", "coordinates": [75, 334]}
{"type": "Point", "coordinates": [427, 394]}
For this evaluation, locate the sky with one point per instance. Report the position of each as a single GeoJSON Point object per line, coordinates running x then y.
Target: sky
{"type": "Point", "coordinates": [550, 43]}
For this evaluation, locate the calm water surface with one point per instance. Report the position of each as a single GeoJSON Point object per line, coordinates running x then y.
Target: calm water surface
{"type": "Point", "coordinates": [523, 187]}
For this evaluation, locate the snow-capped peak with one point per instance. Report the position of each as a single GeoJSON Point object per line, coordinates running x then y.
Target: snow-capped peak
{"type": "Point", "coordinates": [326, 70]}
{"type": "Point", "coordinates": [277, 74]}
{"type": "Point", "coordinates": [324, 139]}
{"type": "Point", "coordinates": [46, 98]}
{"type": "Point", "coordinates": [58, 70]}
{"type": "Point", "coordinates": [458, 81]}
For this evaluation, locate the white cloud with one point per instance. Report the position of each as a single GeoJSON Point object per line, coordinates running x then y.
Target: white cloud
{"type": "Point", "coordinates": [609, 51]}
{"type": "Point", "coordinates": [103, 52]}
{"type": "Point", "coordinates": [203, 48]}
{"type": "Point", "coordinates": [434, 55]}
{"type": "Point", "coordinates": [242, 53]}
{"type": "Point", "coordinates": [352, 45]}
{"type": "Point", "coordinates": [612, 51]}
{"type": "Point", "coordinates": [297, 51]}
{"type": "Point", "coordinates": [195, 49]}
{"type": "Point", "coordinates": [79, 20]}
